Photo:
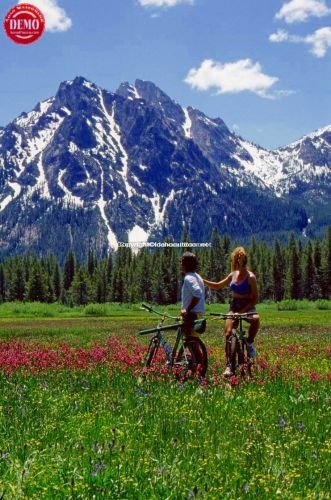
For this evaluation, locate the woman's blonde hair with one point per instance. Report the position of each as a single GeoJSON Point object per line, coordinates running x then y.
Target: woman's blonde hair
{"type": "Point", "coordinates": [234, 256]}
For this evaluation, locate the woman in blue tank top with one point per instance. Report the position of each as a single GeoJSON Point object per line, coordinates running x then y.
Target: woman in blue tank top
{"type": "Point", "coordinates": [242, 283]}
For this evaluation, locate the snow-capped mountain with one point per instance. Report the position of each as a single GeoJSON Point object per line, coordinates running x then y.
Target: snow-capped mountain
{"type": "Point", "coordinates": [90, 166]}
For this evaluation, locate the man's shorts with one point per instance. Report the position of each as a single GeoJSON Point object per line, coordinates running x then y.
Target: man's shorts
{"type": "Point", "coordinates": [192, 329]}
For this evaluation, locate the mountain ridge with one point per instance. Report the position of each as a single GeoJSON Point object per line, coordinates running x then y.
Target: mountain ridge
{"type": "Point", "coordinates": [134, 162]}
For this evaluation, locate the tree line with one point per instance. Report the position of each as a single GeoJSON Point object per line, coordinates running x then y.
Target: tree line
{"type": "Point", "coordinates": [295, 270]}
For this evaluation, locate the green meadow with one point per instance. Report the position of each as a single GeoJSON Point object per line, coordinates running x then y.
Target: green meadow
{"type": "Point", "coordinates": [79, 419]}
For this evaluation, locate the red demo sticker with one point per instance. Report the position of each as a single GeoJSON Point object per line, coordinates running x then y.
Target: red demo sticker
{"type": "Point", "coordinates": [24, 23]}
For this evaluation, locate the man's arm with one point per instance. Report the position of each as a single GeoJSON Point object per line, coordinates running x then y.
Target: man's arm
{"type": "Point", "coordinates": [193, 303]}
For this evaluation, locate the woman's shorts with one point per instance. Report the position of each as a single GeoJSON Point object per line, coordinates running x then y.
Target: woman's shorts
{"type": "Point", "coordinates": [238, 304]}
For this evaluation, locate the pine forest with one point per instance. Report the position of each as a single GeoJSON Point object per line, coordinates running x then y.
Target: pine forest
{"type": "Point", "coordinates": [296, 270]}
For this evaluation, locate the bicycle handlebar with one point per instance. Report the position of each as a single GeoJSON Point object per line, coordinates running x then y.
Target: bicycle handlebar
{"type": "Point", "coordinates": [233, 315]}
{"type": "Point", "coordinates": [160, 329]}
{"type": "Point", "coordinates": [150, 309]}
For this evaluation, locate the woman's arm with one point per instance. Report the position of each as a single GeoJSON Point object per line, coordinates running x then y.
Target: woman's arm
{"type": "Point", "coordinates": [217, 285]}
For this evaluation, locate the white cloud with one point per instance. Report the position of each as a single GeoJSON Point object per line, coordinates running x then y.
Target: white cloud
{"type": "Point", "coordinates": [320, 40]}
{"type": "Point", "coordinates": [297, 11]}
{"type": "Point", "coordinates": [284, 93]}
{"type": "Point", "coordinates": [56, 19]}
{"type": "Point", "coordinates": [279, 36]}
{"type": "Point", "coordinates": [239, 76]}
{"type": "Point", "coordinates": [162, 3]}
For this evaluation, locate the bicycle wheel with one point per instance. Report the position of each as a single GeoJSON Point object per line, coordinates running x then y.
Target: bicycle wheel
{"type": "Point", "coordinates": [249, 362]}
{"type": "Point", "coordinates": [234, 346]}
{"type": "Point", "coordinates": [241, 357]}
{"type": "Point", "coordinates": [151, 353]}
{"type": "Point", "coordinates": [195, 358]}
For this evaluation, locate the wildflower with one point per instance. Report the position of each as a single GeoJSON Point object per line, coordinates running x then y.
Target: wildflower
{"type": "Point", "coordinates": [98, 468]}
{"type": "Point", "coordinates": [140, 392]}
{"type": "Point", "coordinates": [97, 447]}
{"type": "Point", "coordinates": [180, 386]}
{"type": "Point", "coordinates": [246, 488]}
{"type": "Point", "coordinates": [300, 426]}
{"type": "Point", "coordinates": [315, 377]}
{"type": "Point", "coordinates": [160, 471]}
{"type": "Point", "coordinates": [235, 380]}
{"type": "Point", "coordinates": [263, 363]}
{"type": "Point", "coordinates": [282, 423]}
{"type": "Point", "coordinates": [193, 493]}
{"type": "Point", "coordinates": [203, 381]}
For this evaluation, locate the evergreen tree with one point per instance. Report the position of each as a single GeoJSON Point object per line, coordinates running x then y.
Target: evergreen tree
{"type": "Point", "coordinates": [91, 262]}
{"type": "Point", "coordinates": [16, 289]}
{"type": "Point", "coordinates": [144, 276]}
{"type": "Point", "coordinates": [300, 254]}
{"type": "Point", "coordinates": [264, 273]}
{"type": "Point", "coordinates": [278, 272]}
{"type": "Point", "coordinates": [159, 295]}
{"type": "Point", "coordinates": [253, 253]}
{"type": "Point", "coordinates": [69, 270]}
{"type": "Point", "coordinates": [35, 288]}
{"type": "Point", "coordinates": [169, 270]}
{"type": "Point", "coordinates": [48, 287]}
{"type": "Point", "coordinates": [309, 278]}
{"type": "Point", "coordinates": [79, 288]}
{"type": "Point", "coordinates": [292, 279]}
{"type": "Point", "coordinates": [318, 269]}
{"type": "Point", "coordinates": [226, 243]}
{"type": "Point", "coordinates": [217, 268]}
{"type": "Point", "coordinates": [57, 281]}
{"type": "Point", "coordinates": [2, 284]}
{"type": "Point", "coordinates": [101, 283]}
{"type": "Point", "coordinates": [326, 265]}
{"type": "Point", "coordinates": [109, 273]}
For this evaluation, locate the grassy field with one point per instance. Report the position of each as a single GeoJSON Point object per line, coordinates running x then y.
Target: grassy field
{"type": "Point", "coordinates": [78, 419]}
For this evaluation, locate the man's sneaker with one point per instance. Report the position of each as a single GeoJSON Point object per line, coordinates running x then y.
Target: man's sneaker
{"type": "Point", "coordinates": [227, 372]}
{"type": "Point", "coordinates": [251, 350]}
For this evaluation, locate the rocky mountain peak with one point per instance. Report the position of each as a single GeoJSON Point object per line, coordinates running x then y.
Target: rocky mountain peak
{"type": "Point", "coordinates": [109, 167]}
{"type": "Point", "coordinates": [76, 95]}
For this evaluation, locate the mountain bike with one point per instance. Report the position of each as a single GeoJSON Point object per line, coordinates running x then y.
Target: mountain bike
{"type": "Point", "coordinates": [187, 356]}
{"type": "Point", "coordinates": [239, 357]}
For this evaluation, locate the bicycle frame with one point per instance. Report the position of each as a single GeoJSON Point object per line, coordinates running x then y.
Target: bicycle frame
{"type": "Point", "coordinates": [238, 341]}
{"type": "Point", "coordinates": [159, 340]}
{"type": "Point", "coordinates": [188, 353]}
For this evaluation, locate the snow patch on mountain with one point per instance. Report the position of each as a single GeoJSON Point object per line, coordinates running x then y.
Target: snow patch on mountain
{"type": "Point", "coordinates": [264, 164]}
{"type": "Point", "coordinates": [37, 145]}
{"type": "Point", "coordinates": [116, 139]}
{"type": "Point", "coordinates": [187, 124]}
{"type": "Point", "coordinates": [69, 197]}
{"type": "Point", "coordinates": [156, 205]}
{"type": "Point", "coordinates": [137, 235]}
{"type": "Point", "coordinates": [133, 92]}
{"type": "Point", "coordinates": [101, 203]}
{"type": "Point", "coordinates": [17, 190]}
{"type": "Point", "coordinates": [31, 119]}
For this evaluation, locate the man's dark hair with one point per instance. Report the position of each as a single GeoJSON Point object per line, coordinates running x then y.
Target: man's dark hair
{"type": "Point", "coordinates": [189, 262]}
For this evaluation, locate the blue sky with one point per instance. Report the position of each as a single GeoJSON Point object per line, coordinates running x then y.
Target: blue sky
{"type": "Point", "coordinates": [263, 66]}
